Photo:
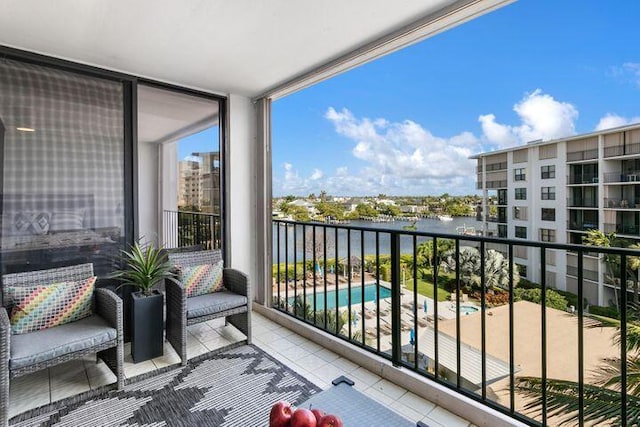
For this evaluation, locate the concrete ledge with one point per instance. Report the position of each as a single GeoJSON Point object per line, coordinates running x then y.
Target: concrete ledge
{"type": "Point", "coordinates": [448, 399]}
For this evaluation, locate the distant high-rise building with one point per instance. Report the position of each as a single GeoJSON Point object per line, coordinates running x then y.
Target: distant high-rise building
{"type": "Point", "coordinates": [189, 183]}
{"type": "Point", "coordinates": [210, 181]}
{"type": "Point", "coordinates": [199, 182]}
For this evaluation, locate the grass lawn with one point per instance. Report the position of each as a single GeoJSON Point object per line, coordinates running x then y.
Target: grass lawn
{"type": "Point", "coordinates": [426, 288]}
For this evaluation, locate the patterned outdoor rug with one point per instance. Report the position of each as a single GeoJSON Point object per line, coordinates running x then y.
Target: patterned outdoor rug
{"type": "Point", "coordinates": [234, 387]}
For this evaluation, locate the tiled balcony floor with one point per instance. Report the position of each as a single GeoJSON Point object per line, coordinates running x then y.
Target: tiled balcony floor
{"type": "Point", "coordinates": [312, 361]}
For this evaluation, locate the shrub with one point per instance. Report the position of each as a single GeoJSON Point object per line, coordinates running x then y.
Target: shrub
{"type": "Point", "coordinates": [553, 299]}
{"type": "Point", "coordinates": [610, 312]}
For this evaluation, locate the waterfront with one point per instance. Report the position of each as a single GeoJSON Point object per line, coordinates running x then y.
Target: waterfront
{"type": "Point", "coordinates": [305, 245]}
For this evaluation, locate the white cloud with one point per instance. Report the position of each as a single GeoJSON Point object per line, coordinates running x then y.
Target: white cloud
{"type": "Point", "coordinates": [316, 175]}
{"type": "Point", "coordinates": [628, 72]}
{"type": "Point", "coordinates": [404, 150]}
{"type": "Point", "coordinates": [613, 121]}
{"type": "Point", "coordinates": [541, 116]}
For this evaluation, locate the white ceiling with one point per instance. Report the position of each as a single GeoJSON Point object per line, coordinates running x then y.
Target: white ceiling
{"type": "Point", "coordinates": [223, 46]}
{"type": "Point", "coordinates": [165, 116]}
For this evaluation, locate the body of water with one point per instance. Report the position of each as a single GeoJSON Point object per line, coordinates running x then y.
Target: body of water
{"type": "Point", "coordinates": [304, 238]}
{"type": "Point", "coordinates": [343, 300]}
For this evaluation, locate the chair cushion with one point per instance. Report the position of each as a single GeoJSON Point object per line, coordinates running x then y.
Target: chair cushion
{"type": "Point", "coordinates": [204, 305]}
{"type": "Point", "coordinates": [201, 279]}
{"type": "Point", "coordinates": [37, 307]}
{"type": "Point", "coordinates": [47, 344]}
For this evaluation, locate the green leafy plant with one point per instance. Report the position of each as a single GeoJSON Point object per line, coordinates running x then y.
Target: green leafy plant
{"type": "Point", "coordinates": [145, 266]}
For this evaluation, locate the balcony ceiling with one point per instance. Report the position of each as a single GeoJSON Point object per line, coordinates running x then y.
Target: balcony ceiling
{"type": "Point", "coordinates": [241, 46]}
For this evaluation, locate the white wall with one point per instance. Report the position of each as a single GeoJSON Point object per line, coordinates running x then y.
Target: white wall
{"type": "Point", "coordinates": [168, 182]}
{"type": "Point", "coordinates": [241, 188]}
{"type": "Point", "coordinates": [148, 192]}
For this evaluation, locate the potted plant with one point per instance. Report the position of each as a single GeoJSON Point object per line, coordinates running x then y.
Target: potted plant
{"type": "Point", "coordinates": [144, 266]}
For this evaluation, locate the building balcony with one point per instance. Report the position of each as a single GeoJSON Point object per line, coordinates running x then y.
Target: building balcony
{"type": "Point", "coordinates": [620, 204]}
{"type": "Point", "coordinates": [400, 319]}
{"type": "Point", "coordinates": [578, 203]}
{"type": "Point", "coordinates": [493, 184]}
{"type": "Point", "coordinates": [493, 167]}
{"type": "Point", "coordinates": [582, 225]}
{"type": "Point", "coordinates": [579, 156]}
{"type": "Point", "coordinates": [622, 150]}
{"type": "Point", "coordinates": [628, 229]}
{"type": "Point", "coordinates": [317, 364]}
{"type": "Point", "coordinates": [583, 179]}
{"type": "Point", "coordinates": [621, 178]}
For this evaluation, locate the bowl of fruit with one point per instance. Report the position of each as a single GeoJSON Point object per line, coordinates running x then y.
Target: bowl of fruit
{"type": "Point", "coordinates": [283, 414]}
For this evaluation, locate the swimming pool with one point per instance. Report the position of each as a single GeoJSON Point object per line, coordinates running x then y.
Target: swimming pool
{"type": "Point", "coordinates": [468, 309]}
{"type": "Point", "coordinates": [356, 296]}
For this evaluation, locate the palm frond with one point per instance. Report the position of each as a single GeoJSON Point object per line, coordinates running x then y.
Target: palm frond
{"type": "Point", "coordinates": [600, 404]}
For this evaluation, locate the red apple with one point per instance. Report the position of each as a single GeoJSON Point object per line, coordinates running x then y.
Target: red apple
{"type": "Point", "coordinates": [330, 420]}
{"type": "Point", "coordinates": [280, 415]}
{"type": "Point", "coordinates": [302, 417]}
{"type": "Point", "coordinates": [318, 413]}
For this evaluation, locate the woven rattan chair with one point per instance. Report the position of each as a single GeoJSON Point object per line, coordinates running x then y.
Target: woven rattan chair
{"type": "Point", "coordinates": [100, 333]}
{"type": "Point", "coordinates": [234, 303]}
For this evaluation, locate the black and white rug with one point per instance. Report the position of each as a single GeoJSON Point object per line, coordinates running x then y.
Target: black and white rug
{"type": "Point", "coordinates": [234, 387]}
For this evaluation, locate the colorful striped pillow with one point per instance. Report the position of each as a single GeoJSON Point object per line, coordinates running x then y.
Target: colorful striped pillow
{"type": "Point", "coordinates": [40, 307]}
{"type": "Point", "coordinates": [201, 279]}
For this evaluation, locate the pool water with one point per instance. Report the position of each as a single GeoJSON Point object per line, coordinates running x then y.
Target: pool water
{"type": "Point", "coordinates": [343, 301]}
{"type": "Point", "coordinates": [468, 309]}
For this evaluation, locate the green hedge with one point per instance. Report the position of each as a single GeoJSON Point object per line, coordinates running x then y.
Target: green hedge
{"type": "Point", "coordinates": [553, 298]}
{"type": "Point", "coordinates": [610, 312]}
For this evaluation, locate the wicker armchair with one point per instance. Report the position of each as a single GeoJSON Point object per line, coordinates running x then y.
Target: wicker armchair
{"type": "Point", "coordinates": [100, 333]}
{"type": "Point", "coordinates": [234, 303]}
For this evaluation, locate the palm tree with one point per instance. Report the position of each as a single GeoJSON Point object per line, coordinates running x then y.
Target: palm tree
{"type": "Point", "coordinates": [633, 263]}
{"type": "Point", "coordinates": [602, 401]}
{"type": "Point", "coordinates": [496, 271]}
{"type": "Point", "coordinates": [469, 264]}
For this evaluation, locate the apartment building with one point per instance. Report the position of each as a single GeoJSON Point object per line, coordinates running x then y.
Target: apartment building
{"type": "Point", "coordinates": [555, 191]}
{"type": "Point", "coordinates": [199, 181]}
{"type": "Point", "coordinates": [189, 183]}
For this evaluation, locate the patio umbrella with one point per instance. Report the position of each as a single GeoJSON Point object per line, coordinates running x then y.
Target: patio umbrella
{"type": "Point", "coordinates": [412, 337]}
{"type": "Point", "coordinates": [424, 306]}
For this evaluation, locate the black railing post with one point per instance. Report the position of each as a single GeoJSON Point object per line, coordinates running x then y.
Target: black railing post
{"type": "Point", "coordinates": [580, 338]}
{"type": "Point", "coordinates": [396, 341]}
{"type": "Point", "coordinates": [623, 340]}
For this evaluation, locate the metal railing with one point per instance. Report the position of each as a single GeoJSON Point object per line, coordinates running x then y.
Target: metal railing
{"type": "Point", "coordinates": [587, 178]}
{"type": "Point", "coordinates": [618, 177]}
{"type": "Point", "coordinates": [374, 288]}
{"type": "Point", "coordinates": [182, 228]}
{"type": "Point", "coordinates": [619, 203]}
{"type": "Point", "coordinates": [629, 229]}
{"type": "Point", "coordinates": [577, 156]}
{"type": "Point", "coordinates": [622, 150]}
{"type": "Point", "coordinates": [493, 184]}
{"type": "Point", "coordinates": [493, 167]}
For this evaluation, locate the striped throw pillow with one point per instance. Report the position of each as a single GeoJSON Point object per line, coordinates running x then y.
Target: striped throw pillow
{"type": "Point", "coordinates": [45, 306]}
{"type": "Point", "coordinates": [201, 279]}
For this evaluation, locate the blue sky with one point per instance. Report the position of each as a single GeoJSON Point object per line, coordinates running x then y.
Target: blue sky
{"type": "Point", "coordinates": [405, 124]}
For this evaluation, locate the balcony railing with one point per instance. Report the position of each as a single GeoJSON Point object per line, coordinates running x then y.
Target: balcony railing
{"type": "Point", "coordinates": [494, 184]}
{"type": "Point", "coordinates": [622, 150]}
{"type": "Point", "coordinates": [630, 229]}
{"type": "Point", "coordinates": [583, 179]}
{"type": "Point", "coordinates": [577, 203]}
{"type": "Point", "coordinates": [619, 203]}
{"type": "Point", "coordinates": [183, 228]}
{"type": "Point", "coordinates": [615, 177]}
{"type": "Point", "coordinates": [491, 167]}
{"type": "Point", "coordinates": [374, 288]}
{"type": "Point", "coordinates": [582, 225]}
{"type": "Point", "coordinates": [577, 156]}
